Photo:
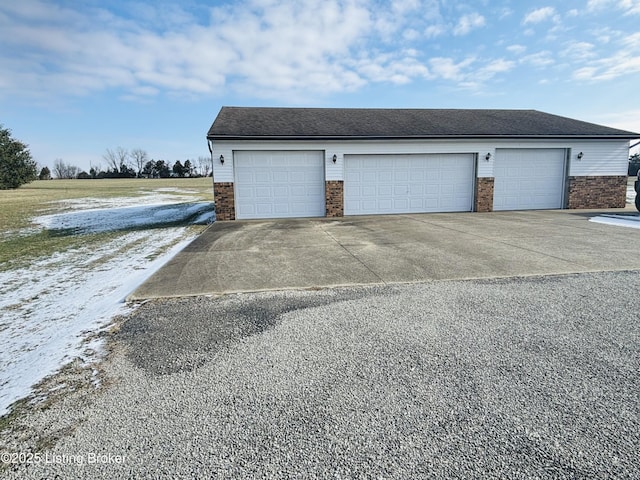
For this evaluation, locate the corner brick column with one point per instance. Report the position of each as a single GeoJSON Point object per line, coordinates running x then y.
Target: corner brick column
{"type": "Point", "coordinates": [598, 192]}
{"type": "Point", "coordinates": [334, 198]}
{"type": "Point", "coordinates": [224, 200]}
{"type": "Point", "coordinates": [484, 194]}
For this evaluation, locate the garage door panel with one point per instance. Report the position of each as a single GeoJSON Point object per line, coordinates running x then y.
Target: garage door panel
{"type": "Point", "coordinates": [401, 176]}
{"type": "Point", "coordinates": [528, 179]}
{"type": "Point", "coordinates": [416, 190]}
{"type": "Point", "coordinates": [279, 184]}
{"type": "Point", "coordinates": [244, 177]}
{"type": "Point", "coordinates": [409, 183]}
{"type": "Point", "coordinates": [383, 190]}
{"type": "Point", "coordinates": [400, 203]}
{"type": "Point", "coordinates": [262, 192]}
{"type": "Point", "coordinates": [278, 176]}
{"type": "Point", "coordinates": [262, 208]}
{"type": "Point", "coordinates": [264, 177]}
{"type": "Point", "coordinates": [385, 203]}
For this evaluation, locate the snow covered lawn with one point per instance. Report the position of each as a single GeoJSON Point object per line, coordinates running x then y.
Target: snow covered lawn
{"type": "Point", "coordinates": [51, 309]}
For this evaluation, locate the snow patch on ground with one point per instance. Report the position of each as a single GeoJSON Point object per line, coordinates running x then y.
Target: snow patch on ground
{"type": "Point", "coordinates": [124, 218]}
{"type": "Point", "coordinates": [51, 310]}
{"type": "Point", "coordinates": [631, 194]}
{"type": "Point", "coordinates": [168, 196]}
{"type": "Point", "coordinates": [632, 221]}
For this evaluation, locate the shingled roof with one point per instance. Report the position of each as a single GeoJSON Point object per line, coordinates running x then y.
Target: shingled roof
{"type": "Point", "coordinates": [260, 123]}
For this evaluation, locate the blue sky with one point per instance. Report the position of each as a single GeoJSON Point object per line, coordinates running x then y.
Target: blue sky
{"type": "Point", "coordinates": [77, 78]}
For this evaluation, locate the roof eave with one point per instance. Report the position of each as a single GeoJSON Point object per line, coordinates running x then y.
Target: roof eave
{"type": "Point", "coordinates": [629, 136]}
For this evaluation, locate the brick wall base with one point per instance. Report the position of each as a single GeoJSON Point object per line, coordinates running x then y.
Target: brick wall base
{"type": "Point", "coordinates": [484, 194]}
{"type": "Point", "coordinates": [584, 192]}
{"type": "Point", "coordinates": [224, 199]}
{"type": "Point", "coordinates": [334, 198]}
{"type": "Point", "coordinates": [598, 192]}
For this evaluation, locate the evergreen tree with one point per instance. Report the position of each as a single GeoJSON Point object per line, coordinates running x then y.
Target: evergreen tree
{"type": "Point", "coordinates": [16, 165]}
{"type": "Point", "coordinates": [188, 168]}
{"type": "Point", "coordinates": [178, 169]}
{"type": "Point", "coordinates": [45, 174]}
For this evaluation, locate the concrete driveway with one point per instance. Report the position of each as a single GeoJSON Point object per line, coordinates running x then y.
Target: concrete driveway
{"type": "Point", "coordinates": [311, 253]}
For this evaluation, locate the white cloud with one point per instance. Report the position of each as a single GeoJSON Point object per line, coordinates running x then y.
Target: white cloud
{"type": "Point", "coordinates": [629, 7]}
{"type": "Point", "coordinates": [433, 31]}
{"type": "Point", "coordinates": [410, 34]}
{"type": "Point", "coordinates": [401, 7]}
{"type": "Point", "coordinates": [585, 73]}
{"type": "Point", "coordinates": [632, 41]}
{"type": "Point", "coordinates": [597, 4]}
{"type": "Point", "coordinates": [469, 22]}
{"type": "Point", "coordinates": [539, 59]}
{"type": "Point", "coordinates": [397, 70]}
{"type": "Point", "coordinates": [632, 7]}
{"type": "Point", "coordinates": [493, 68]}
{"type": "Point", "coordinates": [505, 13]}
{"type": "Point", "coordinates": [540, 15]}
{"type": "Point", "coordinates": [624, 61]}
{"type": "Point", "coordinates": [579, 51]}
{"type": "Point", "coordinates": [265, 47]}
{"type": "Point", "coordinates": [517, 49]}
{"type": "Point", "coordinates": [261, 44]}
{"type": "Point", "coordinates": [390, 18]}
{"type": "Point", "coordinates": [446, 68]}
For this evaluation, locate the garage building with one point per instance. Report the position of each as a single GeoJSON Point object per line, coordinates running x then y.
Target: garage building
{"type": "Point", "coordinates": [316, 162]}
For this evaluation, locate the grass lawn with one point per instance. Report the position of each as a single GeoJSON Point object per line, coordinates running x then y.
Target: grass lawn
{"type": "Point", "coordinates": [19, 245]}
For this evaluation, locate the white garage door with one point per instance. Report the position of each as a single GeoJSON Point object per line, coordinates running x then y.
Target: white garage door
{"type": "Point", "coordinates": [529, 179]}
{"type": "Point", "coordinates": [279, 184]}
{"type": "Point", "coordinates": [378, 184]}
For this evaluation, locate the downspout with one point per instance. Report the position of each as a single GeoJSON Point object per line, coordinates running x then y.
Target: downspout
{"type": "Point", "coordinates": [210, 145]}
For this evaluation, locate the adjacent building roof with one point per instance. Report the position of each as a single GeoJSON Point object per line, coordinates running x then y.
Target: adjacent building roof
{"type": "Point", "coordinates": [261, 123]}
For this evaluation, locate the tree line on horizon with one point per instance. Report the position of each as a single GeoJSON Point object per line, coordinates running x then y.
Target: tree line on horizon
{"type": "Point", "coordinates": [17, 166]}
{"type": "Point", "coordinates": [135, 163]}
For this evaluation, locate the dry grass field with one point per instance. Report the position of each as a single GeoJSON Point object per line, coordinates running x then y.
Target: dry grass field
{"type": "Point", "coordinates": [20, 239]}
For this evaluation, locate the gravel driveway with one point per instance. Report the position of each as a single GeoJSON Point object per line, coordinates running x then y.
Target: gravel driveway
{"type": "Point", "coordinates": [510, 378]}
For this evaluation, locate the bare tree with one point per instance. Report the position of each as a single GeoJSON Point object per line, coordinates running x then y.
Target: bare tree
{"type": "Point", "coordinates": [72, 171]}
{"type": "Point", "coordinates": [59, 168]}
{"type": "Point", "coordinates": [140, 157]}
{"type": "Point", "coordinates": [204, 166]}
{"type": "Point", "coordinates": [64, 170]}
{"type": "Point", "coordinates": [117, 159]}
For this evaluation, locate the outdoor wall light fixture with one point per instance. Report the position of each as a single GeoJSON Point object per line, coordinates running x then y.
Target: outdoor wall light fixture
{"type": "Point", "coordinates": [222, 159]}
{"type": "Point", "coordinates": [335, 158]}
{"type": "Point", "coordinates": [580, 155]}
{"type": "Point", "coordinates": [487, 157]}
